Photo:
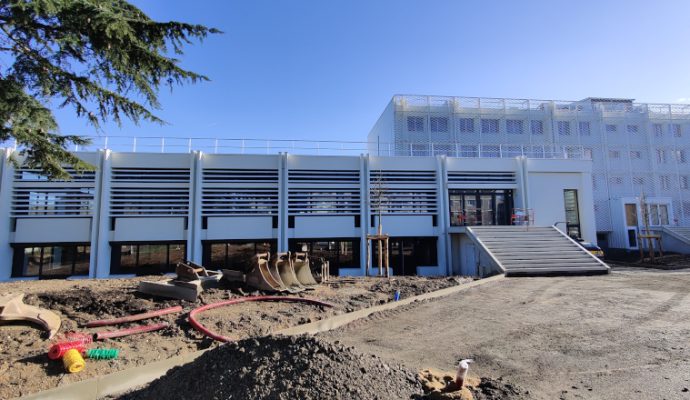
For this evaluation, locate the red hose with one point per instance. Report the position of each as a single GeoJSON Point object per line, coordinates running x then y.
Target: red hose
{"type": "Point", "coordinates": [130, 331]}
{"type": "Point", "coordinates": [197, 325]}
{"type": "Point", "coordinates": [133, 317]}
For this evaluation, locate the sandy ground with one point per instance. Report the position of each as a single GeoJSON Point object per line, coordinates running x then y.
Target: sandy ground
{"type": "Point", "coordinates": [25, 367]}
{"type": "Point", "coordinates": [620, 336]}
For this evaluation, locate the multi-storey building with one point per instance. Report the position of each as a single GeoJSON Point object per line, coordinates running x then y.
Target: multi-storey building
{"type": "Point", "coordinates": [636, 149]}
{"type": "Point", "coordinates": [140, 213]}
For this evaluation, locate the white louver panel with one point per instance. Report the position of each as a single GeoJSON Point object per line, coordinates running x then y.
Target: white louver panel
{"type": "Point", "coordinates": [481, 177]}
{"type": "Point", "coordinates": [403, 192]}
{"type": "Point", "coordinates": [228, 192]}
{"type": "Point", "coordinates": [33, 195]}
{"type": "Point", "coordinates": [149, 192]}
{"type": "Point", "coordinates": [329, 192]}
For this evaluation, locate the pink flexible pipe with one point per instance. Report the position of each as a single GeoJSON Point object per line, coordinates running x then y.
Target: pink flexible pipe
{"type": "Point", "coordinates": [133, 317]}
{"type": "Point", "coordinates": [130, 331]}
{"type": "Point", "coordinates": [198, 326]}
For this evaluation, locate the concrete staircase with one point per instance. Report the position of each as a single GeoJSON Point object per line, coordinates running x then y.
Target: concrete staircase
{"type": "Point", "coordinates": [679, 232]}
{"type": "Point", "coordinates": [533, 250]}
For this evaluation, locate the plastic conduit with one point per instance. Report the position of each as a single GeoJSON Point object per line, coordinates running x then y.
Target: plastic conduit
{"type": "Point", "coordinates": [199, 327]}
{"type": "Point", "coordinates": [133, 317]}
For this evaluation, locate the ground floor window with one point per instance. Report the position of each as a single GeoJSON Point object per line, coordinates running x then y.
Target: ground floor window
{"type": "Point", "coordinates": [480, 206]}
{"type": "Point", "coordinates": [146, 258]}
{"type": "Point", "coordinates": [341, 253]}
{"type": "Point", "coordinates": [51, 260]}
{"type": "Point", "coordinates": [408, 253]}
{"type": "Point", "coordinates": [236, 255]}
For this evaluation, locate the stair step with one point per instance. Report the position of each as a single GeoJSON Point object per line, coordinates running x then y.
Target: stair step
{"type": "Point", "coordinates": [537, 250]}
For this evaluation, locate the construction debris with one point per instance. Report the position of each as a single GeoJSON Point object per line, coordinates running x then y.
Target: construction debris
{"type": "Point", "coordinates": [278, 367]}
{"type": "Point", "coordinates": [12, 308]}
{"type": "Point", "coordinates": [191, 281]}
{"type": "Point", "coordinates": [284, 275]}
{"type": "Point", "coordinates": [441, 385]}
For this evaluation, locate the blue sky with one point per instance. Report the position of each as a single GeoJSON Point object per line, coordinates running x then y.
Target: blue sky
{"type": "Point", "coordinates": [325, 69]}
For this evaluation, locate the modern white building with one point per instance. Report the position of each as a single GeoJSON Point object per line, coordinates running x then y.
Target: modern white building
{"type": "Point", "coordinates": [140, 213]}
{"type": "Point", "coordinates": [636, 149]}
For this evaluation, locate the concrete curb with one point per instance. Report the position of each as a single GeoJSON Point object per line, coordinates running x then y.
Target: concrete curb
{"type": "Point", "coordinates": [344, 319]}
{"type": "Point", "coordinates": [122, 381]}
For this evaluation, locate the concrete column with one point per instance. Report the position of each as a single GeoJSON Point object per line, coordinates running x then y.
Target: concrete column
{"type": "Point", "coordinates": [100, 259]}
{"type": "Point", "coordinates": [6, 184]}
{"type": "Point", "coordinates": [96, 216]}
{"type": "Point", "coordinates": [194, 219]}
{"type": "Point", "coordinates": [283, 203]}
{"type": "Point", "coordinates": [364, 211]}
{"type": "Point", "coordinates": [585, 199]}
{"type": "Point", "coordinates": [445, 254]}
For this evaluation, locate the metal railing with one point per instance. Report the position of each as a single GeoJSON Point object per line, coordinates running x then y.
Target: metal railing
{"type": "Point", "coordinates": [461, 103]}
{"type": "Point", "coordinates": [157, 144]}
{"type": "Point", "coordinates": [491, 150]}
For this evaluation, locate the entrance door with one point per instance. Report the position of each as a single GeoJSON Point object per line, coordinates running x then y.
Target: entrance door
{"type": "Point", "coordinates": [572, 213]}
{"type": "Point", "coordinates": [631, 222]}
{"type": "Point", "coordinates": [468, 254]}
{"type": "Point", "coordinates": [486, 202]}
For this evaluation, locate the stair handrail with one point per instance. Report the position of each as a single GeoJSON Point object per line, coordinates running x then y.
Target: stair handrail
{"type": "Point", "coordinates": [597, 259]}
{"type": "Point", "coordinates": [476, 239]}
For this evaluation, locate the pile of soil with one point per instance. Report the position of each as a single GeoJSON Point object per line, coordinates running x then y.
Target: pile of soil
{"type": "Point", "coordinates": [279, 367]}
{"type": "Point", "coordinates": [494, 389]}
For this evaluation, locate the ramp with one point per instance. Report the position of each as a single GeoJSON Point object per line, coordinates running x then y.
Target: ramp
{"type": "Point", "coordinates": [532, 250]}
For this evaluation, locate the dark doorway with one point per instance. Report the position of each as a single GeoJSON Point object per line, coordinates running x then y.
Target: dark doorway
{"type": "Point", "coordinates": [408, 253]}
{"type": "Point", "coordinates": [572, 213]}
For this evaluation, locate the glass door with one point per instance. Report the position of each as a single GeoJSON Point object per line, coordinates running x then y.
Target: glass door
{"type": "Point", "coordinates": [631, 224]}
{"type": "Point", "coordinates": [572, 213]}
{"type": "Point", "coordinates": [486, 202]}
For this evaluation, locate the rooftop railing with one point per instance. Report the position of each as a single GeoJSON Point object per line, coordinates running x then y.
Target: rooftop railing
{"type": "Point", "coordinates": [454, 103]}
{"type": "Point", "coordinates": [154, 144]}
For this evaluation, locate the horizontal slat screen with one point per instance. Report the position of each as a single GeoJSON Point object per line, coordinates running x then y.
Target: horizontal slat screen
{"type": "Point", "coordinates": [403, 192]}
{"type": "Point", "coordinates": [324, 192]}
{"type": "Point", "coordinates": [166, 192]}
{"type": "Point", "coordinates": [481, 177]}
{"type": "Point", "coordinates": [33, 195]}
{"type": "Point", "coordinates": [228, 192]}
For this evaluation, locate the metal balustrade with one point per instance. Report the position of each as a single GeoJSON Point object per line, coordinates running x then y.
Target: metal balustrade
{"type": "Point", "coordinates": [151, 144]}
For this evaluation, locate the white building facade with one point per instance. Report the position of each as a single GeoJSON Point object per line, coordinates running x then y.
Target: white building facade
{"type": "Point", "coordinates": [636, 149]}
{"type": "Point", "coordinates": [140, 213]}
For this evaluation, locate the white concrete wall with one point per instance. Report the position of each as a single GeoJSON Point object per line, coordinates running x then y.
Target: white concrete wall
{"type": "Point", "coordinates": [148, 229]}
{"type": "Point", "coordinates": [547, 179]}
{"type": "Point", "coordinates": [53, 230]}
{"type": "Point", "coordinates": [221, 228]}
{"type": "Point", "coordinates": [326, 226]}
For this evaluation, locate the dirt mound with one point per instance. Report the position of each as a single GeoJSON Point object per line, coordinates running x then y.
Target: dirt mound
{"type": "Point", "coordinates": [494, 389]}
{"type": "Point", "coordinates": [279, 367]}
{"type": "Point", "coordinates": [85, 301]}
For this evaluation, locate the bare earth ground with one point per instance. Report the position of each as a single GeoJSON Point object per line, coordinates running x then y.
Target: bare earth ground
{"type": "Point", "coordinates": [625, 335]}
{"type": "Point", "coordinates": [25, 367]}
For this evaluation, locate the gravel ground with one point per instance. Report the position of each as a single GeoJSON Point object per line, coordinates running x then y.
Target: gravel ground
{"type": "Point", "coordinates": [25, 368]}
{"type": "Point", "coordinates": [617, 336]}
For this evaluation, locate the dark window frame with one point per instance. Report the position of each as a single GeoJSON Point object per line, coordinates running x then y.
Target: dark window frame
{"type": "Point", "coordinates": [339, 263]}
{"type": "Point", "coordinates": [116, 254]}
{"type": "Point", "coordinates": [206, 245]}
{"type": "Point", "coordinates": [18, 258]}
